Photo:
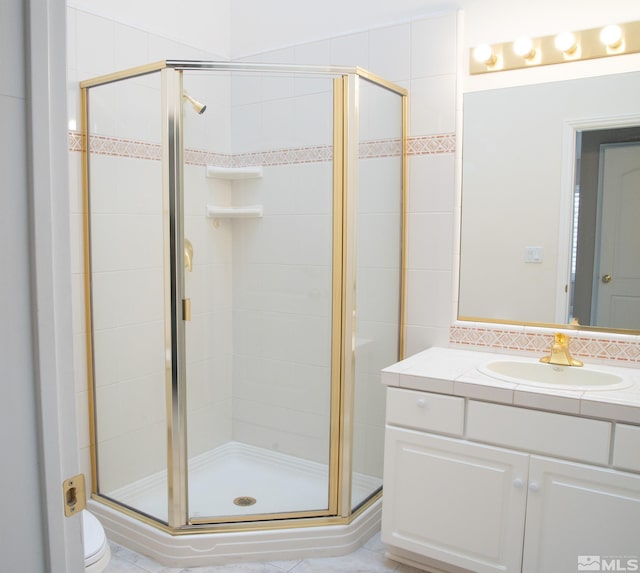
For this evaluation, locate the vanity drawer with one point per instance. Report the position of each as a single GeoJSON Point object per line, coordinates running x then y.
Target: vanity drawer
{"type": "Point", "coordinates": [626, 447]}
{"type": "Point", "coordinates": [542, 432]}
{"type": "Point", "coordinates": [425, 411]}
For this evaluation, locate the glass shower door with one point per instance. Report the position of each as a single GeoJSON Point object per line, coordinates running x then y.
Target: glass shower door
{"type": "Point", "coordinates": [258, 214]}
{"type": "Point", "coordinates": [125, 274]}
{"type": "Point", "coordinates": [378, 276]}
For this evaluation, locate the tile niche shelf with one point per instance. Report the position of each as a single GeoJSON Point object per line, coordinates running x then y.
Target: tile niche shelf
{"type": "Point", "coordinates": [234, 173]}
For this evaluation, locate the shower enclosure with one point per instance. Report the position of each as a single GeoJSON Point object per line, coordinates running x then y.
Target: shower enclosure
{"type": "Point", "coordinates": [244, 282]}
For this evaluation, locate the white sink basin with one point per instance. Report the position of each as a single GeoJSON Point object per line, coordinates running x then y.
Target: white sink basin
{"type": "Point", "coordinates": [553, 376]}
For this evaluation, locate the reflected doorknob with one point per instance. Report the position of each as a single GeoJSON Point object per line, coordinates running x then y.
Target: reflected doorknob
{"type": "Point", "coordinates": [606, 278]}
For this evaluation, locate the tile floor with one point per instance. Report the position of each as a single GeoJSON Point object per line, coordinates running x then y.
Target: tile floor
{"type": "Point", "coordinates": [369, 558]}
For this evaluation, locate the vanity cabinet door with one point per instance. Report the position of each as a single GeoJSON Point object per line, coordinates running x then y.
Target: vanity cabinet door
{"type": "Point", "coordinates": [575, 510]}
{"type": "Point", "coordinates": [453, 501]}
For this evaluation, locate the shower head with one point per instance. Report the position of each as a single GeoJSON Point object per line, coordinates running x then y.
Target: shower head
{"type": "Point", "coordinates": [199, 107]}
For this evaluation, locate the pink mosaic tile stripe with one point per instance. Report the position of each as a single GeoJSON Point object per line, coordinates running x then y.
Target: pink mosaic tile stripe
{"type": "Point", "coordinates": [431, 144]}
{"type": "Point", "coordinates": [318, 154]}
{"type": "Point", "coordinates": [103, 145]}
{"type": "Point", "coordinates": [197, 157]}
{"type": "Point", "coordinates": [380, 148]}
{"type": "Point", "coordinates": [75, 141]}
{"type": "Point", "coordinates": [596, 346]}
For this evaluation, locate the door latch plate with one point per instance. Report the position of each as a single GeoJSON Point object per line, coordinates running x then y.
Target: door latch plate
{"type": "Point", "coordinates": [74, 495]}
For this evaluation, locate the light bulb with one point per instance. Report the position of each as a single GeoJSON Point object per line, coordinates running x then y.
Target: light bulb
{"type": "Point", "coordinates": [566, 42]}
{"type": "Point", "coordinates": [524, 47]}
{"type": "Point", "coordinates": [484, 54]}
{"type": "Point", "coordinates": [611, 36]}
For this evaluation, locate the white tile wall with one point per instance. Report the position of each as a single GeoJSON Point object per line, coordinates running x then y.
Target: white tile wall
{"type": "Point", "coordinates": [313, 116]}
{"type": "Point", "coordinates": [432, 106]}
{"type": "Point", "coordinates": [351, 50]}
{"type": "Point", "coordinates": [280, 260]}
{"type": "Point", "coordinates": [430, 241]}
{"type": "Point", "coordinates": [390, 52]}
{"type": "Point", "coordinates": [94, 43]}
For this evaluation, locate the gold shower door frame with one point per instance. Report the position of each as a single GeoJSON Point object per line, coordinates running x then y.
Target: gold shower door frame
{"type": "Point", "coordinates": [343, 327]}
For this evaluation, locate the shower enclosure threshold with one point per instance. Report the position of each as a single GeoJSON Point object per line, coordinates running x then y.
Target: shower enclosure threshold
{"type": "Point", "coordinates": [227, 547]}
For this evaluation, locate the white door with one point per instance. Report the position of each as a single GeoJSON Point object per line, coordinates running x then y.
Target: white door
{"type": "Point", "coordinates": [453, 501]}
{"type": "Point", "coordinates": [617, 281]}
{"type": "Point", "coordinates": [580, 515]}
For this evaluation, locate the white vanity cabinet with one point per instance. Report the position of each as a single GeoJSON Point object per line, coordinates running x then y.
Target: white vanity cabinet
{"type": "Point", "coordinates": [456, 502]}
{"type": "Point", "coordinates": [494, 494]}
{"type": "Point", "coordinates": [574, 510]}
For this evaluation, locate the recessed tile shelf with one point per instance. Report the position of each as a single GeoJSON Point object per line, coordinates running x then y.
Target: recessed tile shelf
{"type": "Point", "coordinates": [217, 212]}
{"type": "Point", "coordinates": [215, 172]}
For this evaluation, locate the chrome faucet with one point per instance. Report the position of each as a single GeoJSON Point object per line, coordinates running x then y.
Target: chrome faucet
{"type": "Point", "coordinates": [560, 352]}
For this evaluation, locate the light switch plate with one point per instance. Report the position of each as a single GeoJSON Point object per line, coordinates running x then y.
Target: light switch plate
{"type": "Point", "coordinates": [533, 254]}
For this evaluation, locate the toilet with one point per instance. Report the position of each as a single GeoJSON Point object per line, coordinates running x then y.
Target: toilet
{"type": "Point", "coordinates": [96, 547]}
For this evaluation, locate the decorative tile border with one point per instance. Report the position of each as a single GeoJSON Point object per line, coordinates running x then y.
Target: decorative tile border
{"type": "Point", "coordinates": [197, 157]}
{"type": "Point", "coordinates": [318, 154]}
{"type": "Point", "coordinates": [103, 145]}
{"type": "Point", "coordinates": [431, 144]}
{"type": "Point", "coordinates": [75, 141]}
{"type": "Point", "coordinates": [596, 346]}
{"type": "Point", "coordinates": [380, 148]}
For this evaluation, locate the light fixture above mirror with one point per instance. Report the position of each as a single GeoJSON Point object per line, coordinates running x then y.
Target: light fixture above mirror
{"type": "Point", "coordinates": [610, 40]}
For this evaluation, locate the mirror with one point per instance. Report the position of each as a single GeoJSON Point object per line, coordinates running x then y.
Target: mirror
{"type": "Point", "coordinates": [529, 253]}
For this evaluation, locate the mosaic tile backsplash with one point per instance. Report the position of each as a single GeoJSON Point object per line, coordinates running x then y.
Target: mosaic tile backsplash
{"type": "Point", "coordinates": [624, 349]}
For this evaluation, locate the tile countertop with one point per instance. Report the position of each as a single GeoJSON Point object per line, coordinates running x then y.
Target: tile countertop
{"type": "Point", "coordinates": [455, 372]}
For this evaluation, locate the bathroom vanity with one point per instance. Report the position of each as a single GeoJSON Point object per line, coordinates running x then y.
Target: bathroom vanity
{"type": "Point", "coordinates": [486, 474]}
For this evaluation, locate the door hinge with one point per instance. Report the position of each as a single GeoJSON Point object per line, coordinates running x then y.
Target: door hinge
{"type": "Point", "coordinates": [74, 495]}
{"type": "Point", "coordinates": [186, 309]}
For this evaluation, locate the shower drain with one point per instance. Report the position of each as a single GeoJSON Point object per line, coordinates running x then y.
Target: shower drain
{"type": "Point", "coordinates": [244, 500]}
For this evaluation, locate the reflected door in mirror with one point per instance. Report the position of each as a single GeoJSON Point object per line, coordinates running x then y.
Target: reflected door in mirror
{"type": "Point", "coordinates": [617, 282]}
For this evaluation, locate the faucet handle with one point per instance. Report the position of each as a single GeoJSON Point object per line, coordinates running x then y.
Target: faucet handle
{"type": "Point", "coordinates": [559, 353]}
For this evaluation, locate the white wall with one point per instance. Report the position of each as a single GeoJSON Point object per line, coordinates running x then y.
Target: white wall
{"type": "Point", "coordinates": [422, 56]}
{"type": "Point", "coordinates": [278, 23]}
{"type": "Point", "coordinates": [391, 39]}
{"type": "Point", "coordinates": [202, 24]}
{"type": "Point", "coordinates": [129, 203]}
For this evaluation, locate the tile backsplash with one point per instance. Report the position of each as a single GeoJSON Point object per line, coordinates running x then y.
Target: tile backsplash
{"type": "Point", "coordinates": [623, 349]}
